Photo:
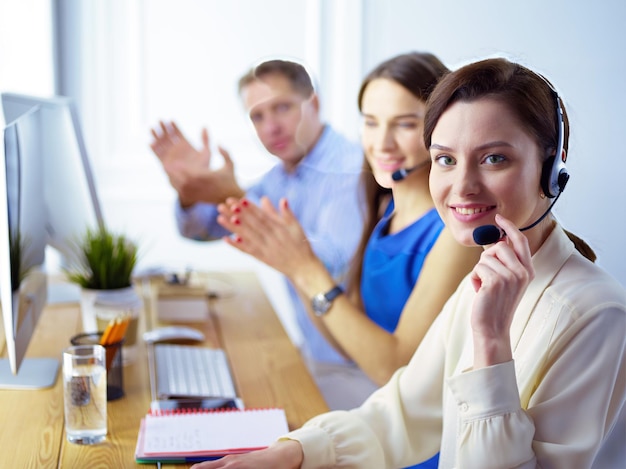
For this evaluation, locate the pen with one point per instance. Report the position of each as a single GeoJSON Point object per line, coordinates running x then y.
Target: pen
{"type": "Point", "coordinates": [158, 464]}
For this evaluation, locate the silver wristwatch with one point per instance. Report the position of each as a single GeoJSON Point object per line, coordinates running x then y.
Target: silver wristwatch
{"type": "Point", "coordinates": [322, 302]}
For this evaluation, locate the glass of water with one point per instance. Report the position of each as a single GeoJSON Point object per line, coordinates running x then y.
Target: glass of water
{"type": "Point", "coordinates": [85, 394]}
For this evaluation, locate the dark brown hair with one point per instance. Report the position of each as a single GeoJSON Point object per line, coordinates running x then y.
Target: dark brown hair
{"type": "Point", "coordinates": [418, 73]}
{"type": "Point", "coordinates": [529, 96]}
{"type": "Point", "coordinates": [294, 72]}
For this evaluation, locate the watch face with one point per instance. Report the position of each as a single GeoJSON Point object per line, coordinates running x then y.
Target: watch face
{"type": "Point", "coordinates": [320, 304]}
{"type": "Point", "coordinates": [322, 301]}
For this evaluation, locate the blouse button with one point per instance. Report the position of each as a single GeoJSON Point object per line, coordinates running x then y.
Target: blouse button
{"type": "Point", "coordinates": [463, 407]}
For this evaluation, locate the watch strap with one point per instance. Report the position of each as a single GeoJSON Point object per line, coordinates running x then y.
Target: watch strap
{"type": "Point", "coordinates": [333, 293]}
{"type": "Point", "coordinates": [322, 302]}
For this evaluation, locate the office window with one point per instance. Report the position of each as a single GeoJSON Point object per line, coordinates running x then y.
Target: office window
{"type": "Point", "coordinates": [26, 52]}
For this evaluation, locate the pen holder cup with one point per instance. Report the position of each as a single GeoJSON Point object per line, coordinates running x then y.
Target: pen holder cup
{"type": "Point", "coordinates": [115, 381]}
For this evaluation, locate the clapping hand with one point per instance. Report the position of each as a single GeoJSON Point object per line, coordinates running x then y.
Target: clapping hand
{"type": "Point", "coordinates": [272, 235]}
{"type": "Point", "coordinates": [188, 169]}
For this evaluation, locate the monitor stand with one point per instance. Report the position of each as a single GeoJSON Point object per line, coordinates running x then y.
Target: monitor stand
{"type": "Point", "coordinates": [34, 373]}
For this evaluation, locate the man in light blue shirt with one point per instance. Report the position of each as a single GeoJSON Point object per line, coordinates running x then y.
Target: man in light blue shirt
{"type": "Point", "coordinates": [318, 174]}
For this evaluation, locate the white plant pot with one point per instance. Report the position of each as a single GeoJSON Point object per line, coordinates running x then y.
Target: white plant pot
{"type": "Point", "coordinates": [87, 311]}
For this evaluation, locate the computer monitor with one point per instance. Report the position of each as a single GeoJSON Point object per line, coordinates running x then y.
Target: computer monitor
{"type": "Point", "coordinates": [22, 252]}
{"type": "Point", "coordinates": [72, 203]}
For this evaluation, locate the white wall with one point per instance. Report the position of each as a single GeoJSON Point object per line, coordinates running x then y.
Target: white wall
{"type": "Point", "coordinates": [26, 52]}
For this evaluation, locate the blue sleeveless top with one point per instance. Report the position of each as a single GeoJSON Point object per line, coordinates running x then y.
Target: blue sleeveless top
{"type": "Point", "coordinates": [391, 265]}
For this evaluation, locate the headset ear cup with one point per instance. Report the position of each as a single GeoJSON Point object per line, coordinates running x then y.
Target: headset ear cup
{"type": "Point", "coordinates": [563, 178]}
{"type": "Point", "coordinates": [546, 174]}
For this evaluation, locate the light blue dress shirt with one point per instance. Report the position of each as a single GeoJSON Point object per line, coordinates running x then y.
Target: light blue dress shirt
{"type": "Point", "coordinates": [323, 193]}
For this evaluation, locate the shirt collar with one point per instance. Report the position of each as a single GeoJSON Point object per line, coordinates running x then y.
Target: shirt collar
{"type": "Point", "coordinates": [316, 156]}
{"type": "Point", "coordinates": [547, 262]}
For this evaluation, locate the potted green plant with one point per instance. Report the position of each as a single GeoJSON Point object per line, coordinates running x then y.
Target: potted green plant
{"type": "Point", "coordinates": [103, 267]}
{"type": "Point", "coordinates": [105, 260]}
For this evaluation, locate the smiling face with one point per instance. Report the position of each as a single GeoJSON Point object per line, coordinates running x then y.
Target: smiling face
{"type": "Point", "coordinates": [485, 163]}
{"type": "Point", "coordinates": [393, 125]}
{"type": "Point", "coordinates": [287, 123]}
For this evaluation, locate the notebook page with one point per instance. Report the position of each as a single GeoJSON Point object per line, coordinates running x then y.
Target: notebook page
{"type": "Point", "coordinates": [217, 432]}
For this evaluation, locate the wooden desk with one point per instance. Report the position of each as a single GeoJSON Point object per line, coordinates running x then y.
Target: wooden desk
{"type": "Point", "coordinates": [267, 368]}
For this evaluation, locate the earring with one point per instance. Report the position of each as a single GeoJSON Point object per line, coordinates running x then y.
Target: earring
{"type": "Point", "coordinates": [542, 195]}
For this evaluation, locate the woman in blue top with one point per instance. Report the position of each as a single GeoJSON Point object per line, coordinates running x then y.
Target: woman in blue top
{"type": "Point", "coordinates": [392, 263]}
{"type": "Point", "coordinates": [407, 264]}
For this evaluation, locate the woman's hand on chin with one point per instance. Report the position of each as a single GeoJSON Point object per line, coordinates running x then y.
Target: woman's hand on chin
{"type": "Point", "coordinates": [500, 279]}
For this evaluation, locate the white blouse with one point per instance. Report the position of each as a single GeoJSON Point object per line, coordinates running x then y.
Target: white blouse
{"type": "Point", "coordinates": [561, 402]}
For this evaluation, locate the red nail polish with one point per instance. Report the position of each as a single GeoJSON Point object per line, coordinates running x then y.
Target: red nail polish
{"type": "Point", "coordinates": [236, 209]}
{"type": "Point", "coordinates": [236, 221]}
{"type": "Point", "coordinates": [244, 202]}
{"type": "Point", "coordinates": [238, 239]}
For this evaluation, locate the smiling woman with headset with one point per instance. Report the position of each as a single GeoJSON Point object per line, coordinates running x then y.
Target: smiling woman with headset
{"type": "Point", "coordinates": [526, 365]}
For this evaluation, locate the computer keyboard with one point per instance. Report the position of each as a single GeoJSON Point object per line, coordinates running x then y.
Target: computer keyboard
{"type": "Point", "coordinates": [186, 371]}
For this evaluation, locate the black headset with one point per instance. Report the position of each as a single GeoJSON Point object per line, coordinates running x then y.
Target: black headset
{"type": "Point", "coordinates": [554, 175]}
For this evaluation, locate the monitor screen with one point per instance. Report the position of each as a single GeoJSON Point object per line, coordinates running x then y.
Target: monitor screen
{"type": "Point", "coordinates": [22, 252]}
{"type": "Point", "coordinates": [72, 203]}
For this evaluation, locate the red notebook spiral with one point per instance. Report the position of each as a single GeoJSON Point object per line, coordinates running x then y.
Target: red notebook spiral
{"type": "Point", "coordinates": [186, 411]}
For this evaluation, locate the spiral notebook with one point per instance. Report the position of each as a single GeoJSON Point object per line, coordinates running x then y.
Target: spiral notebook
{"type": "Point", "coordinates": [197, 435]}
